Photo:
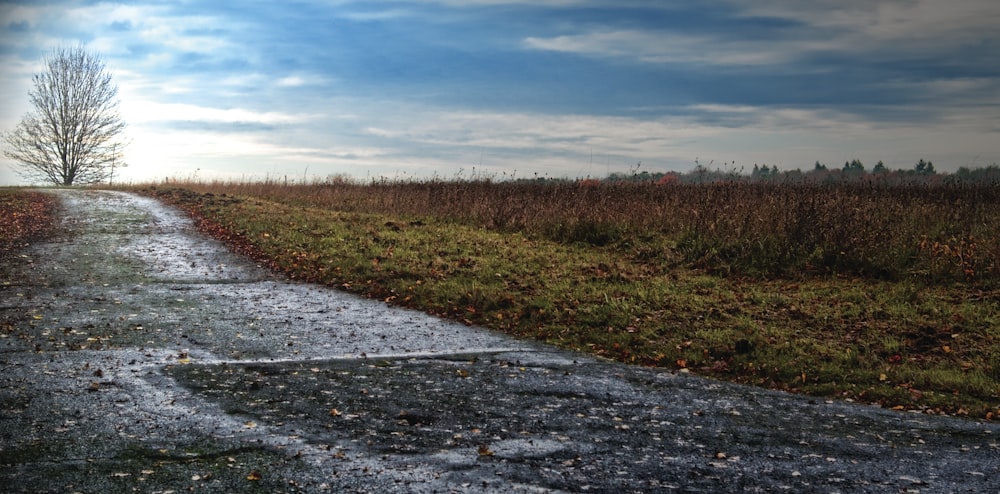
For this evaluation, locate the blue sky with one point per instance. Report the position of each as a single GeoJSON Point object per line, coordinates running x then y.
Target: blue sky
{"type": "Point", "coordinates": [561, 88]}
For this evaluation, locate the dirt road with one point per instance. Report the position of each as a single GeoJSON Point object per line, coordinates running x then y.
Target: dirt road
{"type": "Point", "coordinates": [139, 356]}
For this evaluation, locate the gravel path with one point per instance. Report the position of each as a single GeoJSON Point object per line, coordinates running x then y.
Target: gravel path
{"type": "Point", "coordinates": [140, 356]}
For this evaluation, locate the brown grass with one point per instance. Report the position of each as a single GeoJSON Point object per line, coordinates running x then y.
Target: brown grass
{"type": "Point", "coordinates": [25, 215]}
{"type": "Point", "coordinates": [937, 232]}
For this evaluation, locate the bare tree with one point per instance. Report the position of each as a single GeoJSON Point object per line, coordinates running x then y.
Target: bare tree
{"type": "Point", "coordinates": [70, 136]}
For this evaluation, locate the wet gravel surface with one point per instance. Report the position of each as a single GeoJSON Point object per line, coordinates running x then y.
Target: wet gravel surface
{"type": "Point", "coordinates": [138, 356]}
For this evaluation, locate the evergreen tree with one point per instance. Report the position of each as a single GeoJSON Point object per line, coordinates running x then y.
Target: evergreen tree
{"type": "Point", "coordinates": [924, 167]}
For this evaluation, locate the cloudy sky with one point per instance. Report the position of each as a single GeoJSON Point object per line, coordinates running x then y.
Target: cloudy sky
{"type": "Point", "coordinates": [558, 88]}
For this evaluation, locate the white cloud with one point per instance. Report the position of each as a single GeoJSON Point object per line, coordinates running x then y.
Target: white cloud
{"type": "Point", "coordinates": [302, 79]}
{"type": "Point", "coordinates": [557, 144]}
{"type": "Point", "coordinates": [157, 153]}
{"type": "Point", "coordinates": [140, 111]}
{"type": "Point", "coordinates": [380, 15]}
{"type": "Point", "coordinates": [535, 3]}
{"type": "Point", "coordinates": [858, 25]}
{"type": "Point", "coordinates": [897, 28]}
{"type": "Point", "coordinates": [291, 81]}
{"type": "Point", "coordinates": [158, 25]}
{"type": "Point", "coordinates": [13, 14]}
{"type": "Point", "coordinates": [661, 47]}
{"type": "Point", "coordinates": [790, 137]}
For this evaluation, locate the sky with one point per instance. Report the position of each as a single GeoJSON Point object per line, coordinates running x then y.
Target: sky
{"type": "Point", "coordinates": [418, 89]}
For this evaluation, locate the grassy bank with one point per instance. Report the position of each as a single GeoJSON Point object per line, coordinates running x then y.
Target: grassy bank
{"type": "Point", "coordinates": [25, 215]}
{"type": "Point", "coordinates": [878, 294]}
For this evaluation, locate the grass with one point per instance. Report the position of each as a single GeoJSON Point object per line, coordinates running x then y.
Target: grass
{"type": "Point", "coordinates": [843, 292]}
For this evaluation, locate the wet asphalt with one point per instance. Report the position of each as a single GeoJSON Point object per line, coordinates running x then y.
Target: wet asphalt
{"type": "Point", "coordinates": [137, 355]}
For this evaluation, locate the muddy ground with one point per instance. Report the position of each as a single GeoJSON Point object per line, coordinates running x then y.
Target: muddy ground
{"type": "Point", "coordinates": [138, 356]}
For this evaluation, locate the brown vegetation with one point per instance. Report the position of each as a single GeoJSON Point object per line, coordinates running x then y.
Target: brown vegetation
{"type": "Point", "coordinates": [944, 232]}
{"type": "Point", "coordinates": [26, 215]}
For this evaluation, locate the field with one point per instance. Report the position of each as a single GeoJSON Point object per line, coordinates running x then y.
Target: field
{"type": "Point", "coordinates": [886, 294]}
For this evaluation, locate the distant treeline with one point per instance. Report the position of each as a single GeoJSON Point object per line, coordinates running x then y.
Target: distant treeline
{"type": "Point", "coordinates": [923, 172]}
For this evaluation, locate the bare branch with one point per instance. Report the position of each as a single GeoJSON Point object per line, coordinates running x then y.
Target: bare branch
{"type": "Point", "coordinates": [70, 137]}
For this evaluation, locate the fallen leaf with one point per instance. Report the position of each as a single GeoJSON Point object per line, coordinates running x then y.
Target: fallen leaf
{"type": "Point", "coordinates": [912, 480]}
{"type": "Point", "coordinates": [485, 451]}
{"type": "Point", "coordinates": [254, 475]}
{"type": "Point", "coordinates": [334, 412]}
